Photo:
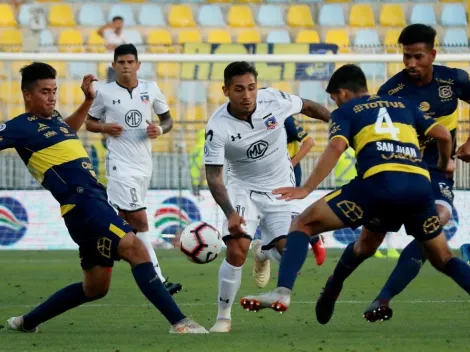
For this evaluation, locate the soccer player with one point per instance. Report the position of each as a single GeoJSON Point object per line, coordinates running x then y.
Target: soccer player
{"type": "Point", "coordinates": [392, 188]}
{"type": "Point", "coordinates": [248, 132]}
{"type": "Point", "coordinates": [52, 152]}
{"type": "Point", "coordinates": [123, 110]}
{"type": "Point", "coordinates": [435, 90]}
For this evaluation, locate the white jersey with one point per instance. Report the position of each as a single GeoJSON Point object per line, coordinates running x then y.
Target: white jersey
{"type": "Point", "coordinates": [131, 152]}
{"type": "Point", "coordinates": [255, 150]}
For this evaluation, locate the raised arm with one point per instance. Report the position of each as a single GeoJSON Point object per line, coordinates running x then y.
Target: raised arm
{"type": "Point", "coordinates": [76, 120]}
{"type": "Point", "coordinates": [315, 110]}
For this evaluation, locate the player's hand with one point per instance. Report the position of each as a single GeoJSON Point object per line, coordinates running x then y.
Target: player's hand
{"type": "Point", "coordinates": [113, 129]}
{"type": "Point", "coordinates": [87, 87]}
{"type": "Point", "coordinates": [291, 193]}
{"type": "Point", "coordinates": [152, 130]}
{"type": "Point", "coordinates": [463, 153]}
{"type": "Point", "coordinates": [235, 223]}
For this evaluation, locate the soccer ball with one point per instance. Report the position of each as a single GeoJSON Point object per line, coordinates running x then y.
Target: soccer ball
{"type": "Point", "coordinates": [200, 242]}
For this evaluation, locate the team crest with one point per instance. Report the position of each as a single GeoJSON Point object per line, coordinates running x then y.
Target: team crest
{"type": "Point", "coordinates": [445, 92]}
{"type": "Point", "coordinates": [424, 106]}
{"type": "Point", "coordinates": [271, 123]}
{"type": "Point", "coordinates": [145, 98]}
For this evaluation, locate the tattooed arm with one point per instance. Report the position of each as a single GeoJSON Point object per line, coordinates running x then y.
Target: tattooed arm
{"type": "Point", "coordinates": [315, 110]}
{"type": "Point", "coordinates": [217, 187]}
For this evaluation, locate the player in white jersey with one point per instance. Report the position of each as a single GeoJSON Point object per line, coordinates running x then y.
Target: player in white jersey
{"type": "Point", "coordinates": [248, 134]}
{"type": "Point", "coordinates": [123, 110]}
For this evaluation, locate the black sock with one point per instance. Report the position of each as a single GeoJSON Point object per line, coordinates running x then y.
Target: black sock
{"type": "Point", "coordinates": [459, 271]}
{"type": "Point", "coordinates": [347, 264]}
{"type": "Point", "coordinates": [293, 258]}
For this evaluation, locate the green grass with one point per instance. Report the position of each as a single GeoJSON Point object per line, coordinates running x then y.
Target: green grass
{"type": "Point", "coordinates": [432, 315]}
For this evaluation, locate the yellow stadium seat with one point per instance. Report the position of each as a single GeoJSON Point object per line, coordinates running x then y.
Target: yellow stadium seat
{"type": "Point", "coordinates": [70, 93]}
{"type": "Point", "coordinates": [61, 15]}
{"type": "Point", "coordinates": [11, 92]}
{"type": "Point", "coordinates": [392, 15]}
{"type": "Point", "coordinates": [3, 70]}
{"type": "Point", "coordinates": [216, 95]}
{"type": "Point", "coordinates": [307, 36]}
{"type": "Point", "coordinates": [462, 65]}
{"type": "Point", "coordinates": [14, 111]}
{"type": "Point", "coordinates": [189, 36]}
{"type": "Point", "coordinates": [70, 40]}
{"type": "Point", "coordinates": [181, 16]}
{"type": "Point", "coordinates": [175, 110]}
{"type": "Point", "coordinates": [168, 69]}
{"type": "Point", "coordinates": [219, 36]}
{"type": "Point", "coordinates": [11, 40]}
{"type": "Point", "coordinates": [251, 1]}
{"type": "Point", "coordinates": [159, 41]}
{"type": "Point", "coordinates": [95, 43]}
{"type": "Point", "coordinates": [361, 15]}
{"type": "Point", "coordinates": [16, 66]}
{"type": "Point", "coordinates": [339, 37]}
{"type": "Point", "coordinates": [168, 90]}
{"type": "Point", "coordinates": [283, 86]}
{"type": "Point", "coordinates": [336, 1]}
{"type": "Point", "coordinates": [391, 40]}
{"type": "Point", "coordinates": [240, 16]}
{"type": "Point", "coordinates": [218, 1]}
{"type": "Point", "coordinates": [299, 16]}
{"type": "Point", "coordinates": [163, 143]}
{"type": "Point", "coordinates": [393, 68]}
{"type": "Point", "coordinates": [103, 70]}
{"type": "Point", "coordinates": [249, 36]}
{"type": "Point", "coordinates": [7, 17]}
{"type": "Point", "coordinates": [196, 113]}
{"type": "Point", "coordinates": [60, 67]}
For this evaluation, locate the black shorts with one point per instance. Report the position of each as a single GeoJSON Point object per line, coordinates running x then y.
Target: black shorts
{"type": "Point", "coordinates": [386, 201]}
{"type": "Point", "coordinates": [97, 229]}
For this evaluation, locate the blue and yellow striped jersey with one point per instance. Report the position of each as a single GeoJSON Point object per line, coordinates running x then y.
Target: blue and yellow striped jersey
{"type": "Point", "coordinates": [54, 156]}
{"type": "Point", "coordinates": [437, 99]}
{"type": "Point", "coordinates": [383, 131]}
{"type": "Point", "coordinates": [295, 135]}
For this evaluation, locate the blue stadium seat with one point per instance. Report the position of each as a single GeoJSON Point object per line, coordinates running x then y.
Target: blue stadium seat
{"type": "Point", "coordinates": [133, 36]}
{"type": "Point", "coordinates": [24, 16]}
{"type": "Point", "coordinates": [313, 90]}
{"type": "Point", "coordinates": [270, 16]}
{"type": "Point", "coordinates": [423, 13]}
{"type": "Point", "coordinates": [91, 15]}
{"type": "Point", "coordinates": [211, 16]}
{"type": "Point", "coordinates": [147, 70]}
{"type": "Point", "coordinates": [151, 15]}
{"type": "Point", "coordinates": [192, 92]}
{"type": "Point", "coordinates": [374, 69]}
{"type": "Point", "coordinates": [80, 69]}
{"type": "Point", "coordinates": [455, 39]}
{"type": "Point", "coordinates": [453, 15]}
{"type": "Point", "coordinates": [123, 10]}
{"type": "Point", "coordinates": [46, 38]}
{"type": "Point", "coordinates": [331, 15]}
{"type": "Point", "coordinates": [367, 38]}
{"type": "Point", "coordinates": [278, 36]}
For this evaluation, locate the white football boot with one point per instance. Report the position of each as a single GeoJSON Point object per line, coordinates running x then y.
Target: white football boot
{"type": "Point", "coordinates": [262, 266]}
{"type": "Point", "coordinates": [278, 300]}
{"type": "Point", "coordinates": [16, 324]}
{"type": "Point", "coordinates": [187, 326]}
{"type": "Point", "coordinates": [221, 326]}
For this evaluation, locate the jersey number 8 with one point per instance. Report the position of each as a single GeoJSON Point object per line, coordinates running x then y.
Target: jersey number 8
{"type": "Point", "coordinates": [384, 117]}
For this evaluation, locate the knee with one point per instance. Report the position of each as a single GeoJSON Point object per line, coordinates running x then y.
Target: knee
{"type": "Point", "coordinates": [236, 255]}
{"type": "Point", "coordinates": [300, 224]}
{"type": "Point", "coordinates": [96, 291]}
{"type": "Point", "coordinates": [132, 250]}
{"type": "Point", "coordinates": [440, 262]}
{"type": "Point", "coordinates": [365, 249]}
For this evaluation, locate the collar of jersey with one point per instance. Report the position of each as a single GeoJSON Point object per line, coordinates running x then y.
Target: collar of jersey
{"type": "Point", "coordinates": [128, 90]}
{"type": "Point", "coordinates": [250, 119]}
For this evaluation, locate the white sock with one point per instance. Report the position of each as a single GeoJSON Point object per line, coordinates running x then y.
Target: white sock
{"type": "Point", "coordinates": [144, 237]}
{"type": "Point", "coordinates": [230, 279]}
{"type": "Point", "coordinates": [274, 255]}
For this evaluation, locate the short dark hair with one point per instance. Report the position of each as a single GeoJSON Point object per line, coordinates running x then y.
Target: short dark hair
{"type": "Point", "coordinates": [125, 49]}
{"type": "Point", "coordinates": [118, 18]}
{"type": "Point", "coordinates": [238, 68]}
{"type": "Point", "coordinates": [34, 72]}
{"type": "Point", "coordinates": [418, 33]}
{"type": "Point", "coordinates": [348, 77]}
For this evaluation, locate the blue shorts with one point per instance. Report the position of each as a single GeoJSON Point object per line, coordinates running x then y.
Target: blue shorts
{"type": "Point", "coordinates": [442, 190]}
{"type": "Point", "coordinates": [95, 226]}
{"type": "Point", "coordinates": [298, 175]}
{"type": "Point", "coordinates": [386, 201]}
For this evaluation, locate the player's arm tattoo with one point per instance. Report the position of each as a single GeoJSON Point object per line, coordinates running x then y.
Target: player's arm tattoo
{"type": "Point", "coordinates": [166, 122]}
{"type": "Point", "coordinates": [315, 110]}
{"type": "Point", "coordinates": [216, 185]}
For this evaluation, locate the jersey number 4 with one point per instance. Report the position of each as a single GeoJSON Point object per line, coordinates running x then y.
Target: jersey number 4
{"type": "Point", "coordinates": [384, 118]}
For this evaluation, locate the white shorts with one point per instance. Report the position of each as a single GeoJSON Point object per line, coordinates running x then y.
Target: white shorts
{"type": "Point", "coordinates": [272, 215]}
{"type": "Point", "coordinates": [128, 193]}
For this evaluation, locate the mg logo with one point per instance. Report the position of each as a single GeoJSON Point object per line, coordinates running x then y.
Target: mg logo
{"type": "Point", "coordinates": [257, 150]}
{"type": "Point", "coordinates": [133, 118]}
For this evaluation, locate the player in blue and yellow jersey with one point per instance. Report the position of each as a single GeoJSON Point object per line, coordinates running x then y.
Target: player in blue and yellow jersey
{"type": "Point", "coordinates": [392, 188]}
{"type": "Point", "coordinates": [299, 144]}
{"type": "Point", "coordinates": [52, 152]}
{"type": "Point", "coordinates": [436, 91]}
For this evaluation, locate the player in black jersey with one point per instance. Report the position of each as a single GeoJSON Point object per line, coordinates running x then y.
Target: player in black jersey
{"type": "Point", "coordinates": [52, 152]}
{"type": "Point", "coordinates": [392, 189]}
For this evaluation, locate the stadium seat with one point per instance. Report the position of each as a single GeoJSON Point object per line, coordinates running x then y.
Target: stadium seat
{"type": "Point", "coordinates": [453, 15]}
{"type": "Point", "coordinates": [61, 15]}
{"type": "Point", "coordinates": [312, 90]}
{"type": "Point", "coordinates": [7, 17]}
{"type": "Point", "coordinates": [219, 1]}
{"type": "Point", "coordinates": [394, 68]}
{"type": "Point", "coordinates": [331, 15]}
{"type": "Point", "coordinates": [240, 16]}
{"type": "Point", "coordinates": [211, 16]}
{"type": "Point", "coordinates": [70, 40]}
{"type": "Point", "coordinates": [14, 111]}
{"type": "Point", "coordinates": [391, 40]}
{"type": "Point", "coordinates": [299, 16]}
{"type": "Point", "coordinates": [46, 38]}
{"type": "Point", "coordinates": [70, 93]}
{"type": "Point", "coordinates": [307, 1]}
{"type": "Point", "coordinates": [168, 90]}
{"type": "Point", "coordinates": [284, 86]}
{"type": "Point", "coordinates": [189, 36]}
{"type": "Point", "coordinates": [367, 38]}
{"type": "Point", "coordinates": [423, 13]}
{"type": "Point", "coordinates": [278, 1]}
{"type": "Point", "coordinates": [340, 38]}
{"type": "Point", "coordinates": [216, 95]}
{"type": "Point", "coordinates": [181, 16]}
{"type": "Point", "coordinates": [218, 36]}
{"type": "Point", "coordinates": [168, 70]}
{"type": "Point", "coordinates": [195, 113]}
{"type": "Point", "coordinates": [61, 68]}
{"type": "Point", "coordinates": [462, 65]}
{"type": "Point", "coordinates": [146, 71]}
{"type": "Point", "coordinates": [158, 41]}
{"type": "Point", "coordinates": [250, 1]}
{"type": "Point", "coordinates": [79, 69]}
{"type": "Point", "coordinates": [392, 15]}
{"type": "Point", "coordinates": [91, 15]}
{"type": "Point", "coordinates": [249, 36]}
{"type": "Point", "coordinates": [103, 70]}
{"type": "Point", "coordinates": [195, 1]}
{"type": "Point", "coordinates": [307, 36]}
{"type": "Point", "coordinates": [278, 36]}
{"type": "Point", "coordinates": [151, 15]}
{"type": "Point", "coordinates": [192, 92]}
{"type": "Point", "coordinates": [11, 40]}
{"type": "Point", "coordinates": [133, 36]}
{"type": "Point", "coordinates": [374, 70]}
{"type": "Point", "coordinates": [455, 39]}
{"type": "Point", "coordinates": [10, 92]}
{"type": "Point", "coordinates": [361, 15]}
{"type": "Point", "coordinates": [24, 14]}
{"type": "Point", "coordinates": [123, 10]}
{"type": "Point", "coordinates": [270, 16]}
{"type": "Point", "coordinates": [95, 43]}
